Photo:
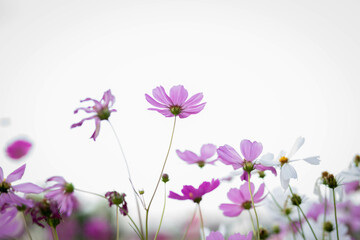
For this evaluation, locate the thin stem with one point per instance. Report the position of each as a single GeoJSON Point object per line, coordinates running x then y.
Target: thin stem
{"type": "Point", "coordinates": [26, 226]}
{"type": "Point", "coordinates": [157, 184]}
{"type": "Point", "coordinates": [188, 227]}
{"type": "Point", "coordinates": [325, 209]}
{"type": "Point", "coordinates": [336, 222]}
{"type": "Point", "coordinates": [54, 233]}
{"type": "Point", "coordinates": [162, 214]}
{"type": "Point", "coordinates": [312, 230]}
{"type": "Point", "coordinates": [253, 205]}
{"type": "Point", "coordinates": [95, 194]}
{"type": "Point", "coordinates": [201, 221]}
{"type": "Point", "coordinates": [300, 222]}
{"type": "Point", "coordinates": [252, 223]}
{"type": "Point", "coordinates": [130, 179]}
{"type": "Point", "coordinates": [136, 229]}
{"type": "Point", "coordinates": [117, 222]}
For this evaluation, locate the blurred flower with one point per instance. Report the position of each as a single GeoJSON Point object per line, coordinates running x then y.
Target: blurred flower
{"type": "Point", "coordinates": [117, 199]}
{"type": "Point", "coordinates": [288, 171]}
{"type": "Point", "coordinates": [7, 190]}
{"type": "Point", "coordinates": [63, 194]}
{"type": "Point", "coordinates": [101, 109]}
{"type": "Point", "coordinates": [47, 211]}
{"type": "Point", "coordinates": [250, 151]}
{"type": "Point", "coordinates": [351, 187]}
{"type": "Point", "coordinates": [175, 104]}
{"type": "Point", "coordinates": [68, 229]}
{"type": "Point", "coordinates": [242, 199]}
{"type": "Point", "coordinates": [195, 194]}
{"type": "Point", "coordinates": [97, 228]}
{"type": "Point", "coordinates": [206, 152]}
{"type": "Point", "coordinates": [18, 149]}
{"type": "Point", "coordinates": [10, 226]}
{"type": "Point", "coordinates": [237, 236]}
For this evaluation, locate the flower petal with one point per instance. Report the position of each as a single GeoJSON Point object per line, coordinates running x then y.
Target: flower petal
{"type": "Point", "coordinates": [193, 100]}
{"type": "Point", "coordinates": [176, 196]}
{"type": "Point", "coordinates": [229, 156]}
{"type": "Point", "coordinates": [250, 150]}
{"type": "Point", "coordinates": [194, 109]}
{"type": "Point", "coordinates": [58, 179]}
{"type": "Point", "coordinates": [235, 196]}
{"type": "Point", "coordinates": [82, 121]}
{"type": "Point", "coordinates": [1, 174]}
{"type": "Point", "coordinates": [284, 182]}
{"type": "Point", "coordinates": [313, 160]}
{"type": "Point", "coordinates": [28, 188]}
{"type": "Point", "coordinates": [215, 236]}
{"type": "Point", "coordinates": [267, 160]}
{"type": "Point", "coordinates": [259, 193]}
{"type": "Point", "coordinates": [16, 175]}
{"type": "Point", "coordinates": [207, 151]}
{"type": "Point", "coordinates": [161, 96]}
{"type": "Point", "coordinates": [165, 112]}
{"type": "Point", "coordinates": [153, 102]}
{"type": "Point", "coordinates": [298, 143]}
{"type": "Point", "coordinates": [231, 210]}
{"type": "Point", "coordinates": [97, 129]}
{"type": "Point", "coordinates": [178, 95]}
{"type": "Point", "coordinates": [288, 171]}
{"type": "Point", "coordinates": [188, 156]}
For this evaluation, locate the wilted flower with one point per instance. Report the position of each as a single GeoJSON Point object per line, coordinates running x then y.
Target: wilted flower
{"type": "Point", "coordinates": [237, 236]}
{"type": "Point", "coordinates": [7, 190]}
{"type": "Point", "coordinates": [176, 104]}
{"type": "Point", "coordinates": [195, 194]}
{"type": "Point", "coordinates": [101, 109]}
{"type": "Point", "coordinates": [206, 152]}
{"type": "Point", "coordinates": [10, 226]}
{"type": "Point", "coordinates": [241, 199]}
{"type": "Point", "coordinates": [283, 162]}
{"type": "Point", "coordinates": [250, 151]}
{"type": "Point", "coordinates": [63, 194]}
{"type": "Point", "coordinates": [18, 149]}
{"type": "Point", "coordinates": [117, 199]}
{"type": "Point", "coordinates": [45, 211]}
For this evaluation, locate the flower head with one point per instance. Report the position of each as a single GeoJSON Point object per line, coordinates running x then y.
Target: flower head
{"type": "Point", "coordinates": [195, 194]}
{"type": "Point", "coordinates": [283, 162]}
{"type": "Point", "coordinates": [241, 199]}
{"type": "Point", "coordinates": [10, 226]}
{"type": "Point", "coordinates": [237, 236]}
{"type": "Point", "coordinates": [251, 151]}
{"type": "Point", "coordinates": [206, 152]}
{"type": "Point", "coordinates": [18, 149]}
{"type": "Point", "coordinates": [45, 211]}
{"type": "Point", "coordinates": [101, 109]}
{"type": "Point", "coordinates": [7, 190]}
{"type": "Point", "coordinates": [63, 194]}
{"type": "Point", "coordinates": [177, 103]}
{"type": "Point", "coordinates": [117, 199]}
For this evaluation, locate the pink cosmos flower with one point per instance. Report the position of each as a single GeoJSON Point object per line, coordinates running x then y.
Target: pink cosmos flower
{"type": "Point", "coordinates": [237, 236]}
{"type": "Point", "coordinates": [98, 228]}
{"type": "Point", "coordinates": [10, 226]}
{"type": "Point", "coordinates": [351, 187]}
{"type": "Point", "coordinates": [101, 109]}
{"type": "Point", "coordinates": [250, 151]}
{"type": "Point", "coordinates": [18, 149]}
{"type": "Point", "coordinates": [7, 190]}
{"type": "Point", "coordinates": [176, 104]}
{"type": "Point", "coordinates": [206, 152]}
{"type": "Point", "coordinates": [195, 194]}
{"type": "Point", "coordinates": [63, 194]}
{"type": "Point", "coordinates": [242, 199]}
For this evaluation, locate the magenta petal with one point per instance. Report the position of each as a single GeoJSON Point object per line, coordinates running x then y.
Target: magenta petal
{"type": "Point", "coordinates": [231, 210]}
{"type": "Point", "coordinates": [245, 176]}
{"type": "Point", "coordinates": [82, 121]}
{"type": "Point", "coordinates": [28, 188]}
{"type": "Point", "coordinates": [193, 100]}
{"type": "Point", "coordinates": [238, 236]}
{"type": "Point", "coordinates": [16, 175]}
{"type": "Point", "coordinates": [215, 236]}
{"type": "Point", "coordinates": [87, 110]}
{"type": "Point", "coordinates": [250, 150]}
{"type": "Point", "coordinates": [207, 151]}
{"type": "Point", "coordinates": [18, 149]}
{"type": "Point", "coordinates": [235, 196]}
{"type": "Point", "coordinates": [176, 196]}
{"type": "Point", "coordinates": [178, 95]}
{"type": "Point", "coordinates": [264, 168]}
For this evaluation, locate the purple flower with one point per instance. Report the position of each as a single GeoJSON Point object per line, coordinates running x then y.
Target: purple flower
{"type": "Point", "coordinates": [63, 194]}
{"type": "Point", "coordinates": [351, 187]}
{"type": "Point", "coordinates": [97, 228]}
{"type": "Point", "coordinates": [195, 194]}
{"type": "Point", "coordinates": [18, 149]}
{"type": "Point", "coordinates": [7, 190]}
{"type": "Point", "coordinates": [241, 199]}
{"type": "Point", "coordinates": [175, 104]}
{"type": "Point", "coordinates": [10, 226]}
{"type": "Point", "coordinates": [250, 151]}
{"type": "Point", "coordinates": [118, 199]}
{"type": "Point", "coordinates": [101, 109]}
{"type": "Point", "coordinates": [237, 236]}
{"type": "Point", "coordinates": [206, 152]}
{"type": "Point", "coordinates": [47, 211]}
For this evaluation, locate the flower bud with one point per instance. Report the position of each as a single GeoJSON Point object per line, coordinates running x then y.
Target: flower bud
{"type": "Point", "coordinates": [276, 229]}
{"type": "Point", "coordinates": [264, 234]}
{"type": "Point", "coordinates": [296, 200]}
{"type": "Point", "coordinates": [165, 178]}
{"type": "Point", "coordinates": [248, 166]}
{"type": "Point", "coordinates": [357, 160]}
{"type": "Point", "coordinates": [262, 174]}
{"type": "Point", "coordinates": [328, 227]}
{"type": "Point", "coordinates": [141, 192]}
{"type": "Point", "coordinates": [332, 182]}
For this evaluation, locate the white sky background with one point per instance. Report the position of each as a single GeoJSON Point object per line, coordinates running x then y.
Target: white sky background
{"type": "Point", "coordinates": [270, 71]}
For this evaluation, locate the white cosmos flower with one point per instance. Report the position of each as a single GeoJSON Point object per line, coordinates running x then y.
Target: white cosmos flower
{"type": "Point", "coordinates": [283, 162]}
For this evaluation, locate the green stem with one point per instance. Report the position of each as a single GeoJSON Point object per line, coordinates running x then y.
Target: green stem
{"type": "Point", "coordinates": [252, 223]}
{"type": "Point", "coordinates": [136, 229]}
{"type": "Point", "coordinates": [253, 204]}
{"type": "Point", "coordinates": [26, 226]}
{"type": "Point", "coordinates": [54, 233]}
{"type": "Point", "coordinates": [337, 228]}
{"type": "Point", "coordinates": [300, 222]}
{"type": "Point", "coordinates": [162, 214]}
{"type": "Point", "coordinates": [95, 194]}
{"type": "Point", "coordinates": [117, 222]}
{"type": "Point", "coordinates": [188, 227]}
{"type": "Point", "coordinates": [157, 184]}
{"type": "Point", "coordinates": [201, 221]}
{"type": "Point", "coordinates": [312, 230]}
{"type": "Point", "coordinates": [325, 209]}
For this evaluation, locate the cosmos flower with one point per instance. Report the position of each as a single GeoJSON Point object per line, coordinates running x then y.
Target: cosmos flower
{"type": "Point", "coordinates": [101, 109]}
{"type": "Point", "coordinates": [177, 103]}
{"type": "Point", "coordinates": [195, 194]}
{"type": "Point", "coordinates": [10, 226]}
{"type": "Point", "coordinates": [283, 162]}
{"type": "Point", "coordinates": [237, 236]}
{"type": "Point", "coordinates": [118, 199]}
{"type": "Point", "coordinates": [206, 152]}
{"type": "Point", "coordinates": [241, 199]}
{"type": "Point", "coordinates": [63, 194]}
{"type": "Point", "coordinates": [18, 149]}
{"type": "Point", "coordinates": [250, 151]}
{"type": "Point", "coordinates": [98, 228]}
{"type": "Point", "coordinates": [7, 190]}
{"type": "Point", "coordinates": [45, 211]}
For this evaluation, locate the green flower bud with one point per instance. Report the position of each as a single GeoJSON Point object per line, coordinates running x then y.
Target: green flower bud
{"type": "Point", "coordinates": [296, 200]}
{"type": "Point", "coordinates": [165, 178]}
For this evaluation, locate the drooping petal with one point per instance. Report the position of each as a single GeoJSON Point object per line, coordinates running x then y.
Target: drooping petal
{"type": "Point", "coordinates": [97, 129]}
{"type": "Point", "coordinates": [250, 150]}
{"type": "Point", "coordinates": [178, 95]}
{"type": "Point", "coordinates": [153, 102]}
{"type": "Point", "coordinates": [161, 96]}
{"type": "Point", "coordinates": [297, 145]}
{"type": "Point", "coordinates": [229, 156]}
{"type": "Point", "coordinates": [264, 168]}
{"type": "Point", "coordinates": [193, 100]}
{"type": "Point", "coordinates": [231, 210]}
{"type": "Point", "coordinates": [235, 196]}
{"type": "Point", "coordinates": [58, 179]}
{"type": "Point", "coordinates": [215, 236]}
{"type": "Point", "coordinates": [28, 188]}
{"type": "Point", "coordinates": [165, 112]}
{"type": "Point", "coordinates": [83, 120]}
{"type": "Point", "coordinates": [16, 175]}
{"type": "Point", "coordinates": [258, 195]}
{"type": "Point", "coordinates": [207, 151]}
{"type": "Point", "coordinates": [313, 160]}
{"type": "Point", "coordinates": [188, 156]}
{"type": "Point", "coordinates": [284, 182]}
{"type": "Point", "coordinates": [87, 110]}
{"type": "Point", "coordinates": [176, 196]}
{"type": "Point", "coordinates": [288, 171]}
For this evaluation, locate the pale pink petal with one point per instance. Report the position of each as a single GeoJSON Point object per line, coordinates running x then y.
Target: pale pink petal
{"type": "Point", "coordinates": [207, 151]}
{"type": "Point", "coordinates": [16, 175]}
{"type": "Point", "coordinates": [153, 102]}
{"type": "Point", "coordinates": [250, 150]}
{"type": "Point", "coordinates": [215, 236]}
{"type": "Point", "coordinates": [259, 193]}
{"type": "Point", "coordinates": [28, 188]}
{"type": "Point", "coordinates": [97, 129]}
{"type": "Point", "coordinates": [82, 121]}
{"type": "Point", "coordinates": [264, 168]}
{"type": "Point", "coordinates": [178, 95]}
{"type": "Point", "coordinates": [58, 179]}
{"type": "Point", "coordinates": [188, 156]}
{"type": "Point", "coordinates": [160, 95]}
{"type": "Point", "coordinates": [87, 110]}
{"type": "Point", "coordinates": [193, 100]}
{"type": "Point", "coordinates": [184, 115]}
{"type": "Point", "coordinates": [194, 109]}
{"type": "Point", "coordinates": [108, 98]}
{"type": "Point", "coordinates": [235, 196]}
{"type": "Point", "coordinates": [238, 236]}
{"type": "Point", "coordinates": [231, 210]}
{"type": "Point", "coordinates": [229, 156]}
{"type": "Point", "coordinates": [165, 112]}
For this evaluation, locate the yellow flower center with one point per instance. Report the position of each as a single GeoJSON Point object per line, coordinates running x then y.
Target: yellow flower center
{"type": "Point", "coordinates": [283, 160]}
